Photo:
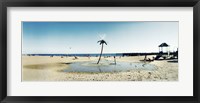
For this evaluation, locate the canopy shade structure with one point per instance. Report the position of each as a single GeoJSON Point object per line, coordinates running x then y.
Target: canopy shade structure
{"type": "Point", "coordinates": [163, 45]}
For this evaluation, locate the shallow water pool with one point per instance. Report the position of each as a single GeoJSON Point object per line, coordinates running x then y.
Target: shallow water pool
{"type": "Point", "coordinates": [108, 66]}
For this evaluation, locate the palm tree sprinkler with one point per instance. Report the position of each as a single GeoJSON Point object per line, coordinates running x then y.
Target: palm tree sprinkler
{"type": "Point", "coordinates": [101, 43]}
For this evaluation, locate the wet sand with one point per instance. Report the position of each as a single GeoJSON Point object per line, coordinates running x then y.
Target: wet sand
{"type": "Point", "coordinates": [46, 68]}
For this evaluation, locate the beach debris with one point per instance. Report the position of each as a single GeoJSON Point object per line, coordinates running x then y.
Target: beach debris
{"type": "Point", "coordinates": [75, 57]}
{"type": "Point", "coordinates": [143, 64]}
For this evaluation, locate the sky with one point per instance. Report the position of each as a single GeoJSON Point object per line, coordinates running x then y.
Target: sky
{"type": "Point", "coordinates": [82, 37]}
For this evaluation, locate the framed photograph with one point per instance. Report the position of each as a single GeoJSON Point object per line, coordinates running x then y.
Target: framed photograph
{"type": "Point", "coordinates": [92, 51]}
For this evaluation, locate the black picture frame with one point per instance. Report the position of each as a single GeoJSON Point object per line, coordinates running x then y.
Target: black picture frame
{"type": "Point", "coordinates": [99, 3]}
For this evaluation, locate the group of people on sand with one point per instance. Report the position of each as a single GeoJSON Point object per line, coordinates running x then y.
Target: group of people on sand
{"type": "Point", "coordinates": [148, 59]}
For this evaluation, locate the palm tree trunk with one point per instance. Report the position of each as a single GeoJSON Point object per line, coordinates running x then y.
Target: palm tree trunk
{"type": "Point", "coordinates": [100, 54]}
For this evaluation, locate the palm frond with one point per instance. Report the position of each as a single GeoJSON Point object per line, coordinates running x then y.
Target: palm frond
{"type": "Point", "coordinates": [105, 42]}
{"type": "Point", "coordinates": [98, 41]}
{"type": "Point", "coordinates": [102, 42]}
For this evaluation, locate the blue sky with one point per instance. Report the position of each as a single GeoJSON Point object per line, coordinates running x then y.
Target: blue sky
{"type": "Point", "coordinates": [82, 37]}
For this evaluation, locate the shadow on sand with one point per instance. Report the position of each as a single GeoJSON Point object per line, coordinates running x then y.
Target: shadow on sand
{"type": "Point", "coordinates": [46, 66]}
{"type": "Point", "coordinates": [173, 61]}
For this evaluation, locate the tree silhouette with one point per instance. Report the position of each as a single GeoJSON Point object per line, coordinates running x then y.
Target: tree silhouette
{"type": "Point", "coordinates": [101, 43]}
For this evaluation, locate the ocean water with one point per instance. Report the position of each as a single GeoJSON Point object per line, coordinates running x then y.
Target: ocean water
{"type": "Point", "coordinates": [81, 55]}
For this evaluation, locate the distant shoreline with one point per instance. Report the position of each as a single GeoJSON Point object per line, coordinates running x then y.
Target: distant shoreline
{"type": "Point", "coordinates": [97, 54]}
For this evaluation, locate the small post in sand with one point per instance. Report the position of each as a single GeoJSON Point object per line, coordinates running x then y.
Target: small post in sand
{"type": "Point", "coordinates": [115, 60]}
{"type": "Point", "coordinates": [145, 57]}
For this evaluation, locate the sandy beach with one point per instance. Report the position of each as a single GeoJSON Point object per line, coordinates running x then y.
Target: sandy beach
{"type": "Point", "coordinates": [46, 68]}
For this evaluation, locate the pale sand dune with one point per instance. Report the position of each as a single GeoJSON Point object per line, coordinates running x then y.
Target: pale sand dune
{"type": "Point", "coordinates": [45, 68]}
